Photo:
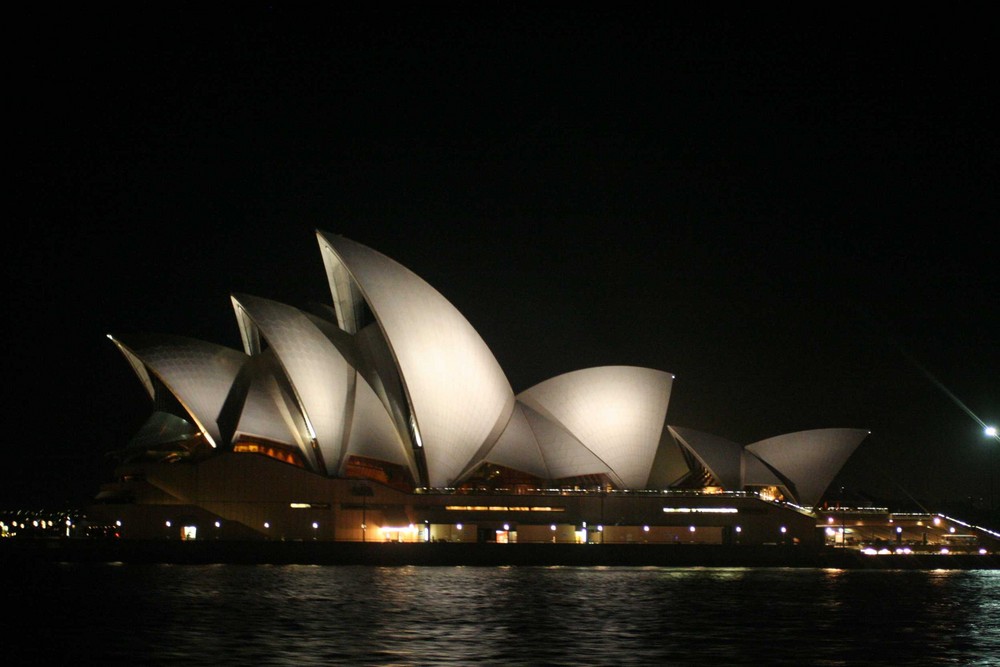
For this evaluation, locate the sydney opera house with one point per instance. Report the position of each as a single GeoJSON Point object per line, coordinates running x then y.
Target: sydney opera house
{"type": "Point", "coordinates": [385, 417]}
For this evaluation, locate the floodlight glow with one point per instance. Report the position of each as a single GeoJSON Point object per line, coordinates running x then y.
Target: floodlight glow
{"type": "Point", "coordinates": [990, 431]}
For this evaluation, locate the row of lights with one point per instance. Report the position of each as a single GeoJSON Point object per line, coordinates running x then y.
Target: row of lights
{"type": "Point", "coordinates": [944, 551]}
{"type": "Point", "coordinates": [44, 524]}
{"type": "Point", "coordinates": [600, 528]}
{"type": "Point", "coordinates": [315, 525]}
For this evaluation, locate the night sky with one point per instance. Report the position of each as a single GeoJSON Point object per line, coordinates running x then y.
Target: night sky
{"type": "Point", "coordinates": [796, 214]}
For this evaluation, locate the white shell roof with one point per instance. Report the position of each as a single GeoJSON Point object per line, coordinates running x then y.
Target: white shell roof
{"type": "Point", "coordinates": [518, 448]}
{"type": "Point", "coordinates": [809, 459]}
{"type": "Point", "coordinates": [198, 374]}
{"type": "Point", "coordinates": [616, 412]}
{"type": "Point", "coordinates": [457, 391]}
{"type": "Point", "coordinates": [756, 473]}
{"type": "Point", "coordinates": [320, 376]}
{"type": "Point", "coordinates": [670, 465]}
{"type": "Point", "coordinates": [564, 455]}
{"type": "Point", "coordinates": [269, 412]}
{"type": "Point", "coordinates": [406, 379]}
{"type": "Point", "coordinates": [722, 457]}
{"type": "Point", "coordinates": [372, 432]}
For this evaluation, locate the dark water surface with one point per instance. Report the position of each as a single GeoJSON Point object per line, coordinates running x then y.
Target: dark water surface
{"type": "Point", "coordinates": [106, 614]}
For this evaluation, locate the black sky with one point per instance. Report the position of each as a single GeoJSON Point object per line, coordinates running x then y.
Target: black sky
{"type": "Point", "coordinates": [785, 210]}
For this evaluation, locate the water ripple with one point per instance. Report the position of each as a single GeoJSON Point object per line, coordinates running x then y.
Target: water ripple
{"type": "Point", "coordinates": [416, 616]}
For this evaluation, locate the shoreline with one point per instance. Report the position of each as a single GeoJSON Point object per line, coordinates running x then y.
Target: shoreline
{"type": "Point", "coordinates": [26, 551]}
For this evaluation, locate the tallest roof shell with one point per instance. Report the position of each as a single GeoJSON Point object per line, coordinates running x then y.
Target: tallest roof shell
{"type": "Point", "coordinates": [458, 396]}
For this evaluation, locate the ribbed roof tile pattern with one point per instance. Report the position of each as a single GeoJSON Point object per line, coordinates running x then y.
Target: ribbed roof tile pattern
{"type": "Point", "coordinates": [321, 378]}
{"type": "Point", "coordinates": [518, 448]}
{"type": "Point", "coordinates": [456, 388]}
{"type": "Point", "coordinates": [197, 373]}
{"type": "Point", "coordinates": [617, 412]}
{"type": "Point", "coordinates": [269, 411]}
{"type": "Point", "coordinates": [564, 455]}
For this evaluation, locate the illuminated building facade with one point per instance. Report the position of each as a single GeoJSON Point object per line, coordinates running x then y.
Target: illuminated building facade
{"type": "Point", "coordinates": [384, 416]}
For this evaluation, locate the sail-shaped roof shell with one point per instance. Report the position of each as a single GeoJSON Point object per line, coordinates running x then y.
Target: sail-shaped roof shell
{"type": "Point", "coordinates": [197, 373]}
{"type": "Point", "coordinates": [459, 396]}
{"type": "Point", "coordinates": [616, 412]}
{"type": "Point", "coordinates": [393, 372]}
{"type": "Point", "coordinates": [809, 459]}
{"type": "Point", "coordinates": [720, 456]}
{"type": "Point", "coordinates": [518, 447]}
{"type": "Point", "coordinates": [321, 378]}
{"type": "Point", "coordinates": [268, 407]}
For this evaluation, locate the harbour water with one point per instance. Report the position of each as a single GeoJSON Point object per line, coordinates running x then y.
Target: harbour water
{"type": "Point", "coordinates": [160, 614]}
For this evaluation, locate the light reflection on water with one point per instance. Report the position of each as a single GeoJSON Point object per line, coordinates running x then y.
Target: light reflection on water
{"type": "Point", "coordinates": [322, 615]}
